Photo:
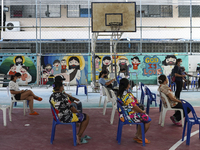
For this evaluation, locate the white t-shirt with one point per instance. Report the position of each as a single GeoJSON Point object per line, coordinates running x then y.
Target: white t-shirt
{"type": "Point", "coordinates": [123, 76]}
{"type": "Point", "coordinates": [13, 86]}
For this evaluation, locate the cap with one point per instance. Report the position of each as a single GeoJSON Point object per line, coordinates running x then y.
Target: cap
{"type": "Point", "coordinates": [59, 78]}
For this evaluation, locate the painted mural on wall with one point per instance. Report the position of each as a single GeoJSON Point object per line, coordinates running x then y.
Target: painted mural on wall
{"type": "Point", "coordinates": [152, 66]}
{"type": "Point", "coordinates": [168, 64]}
{"type": "Point", "coordinates": [22, 64]}
{"type": "Point", "coordinates": [71, 67]}
{"type": "Point", "coordinates": [147, 67]}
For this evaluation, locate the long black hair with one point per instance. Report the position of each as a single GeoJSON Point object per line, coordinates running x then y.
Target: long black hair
{"type": "Point", "coordinates": [162, 78]}
{"type": "Point", "coordinates": [102, 72]}
{"type": "Point", "coordinates": [122, 86]}
{"type": "Point", "coordinates": [16, 75]}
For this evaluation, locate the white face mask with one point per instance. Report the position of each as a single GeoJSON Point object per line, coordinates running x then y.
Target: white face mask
{"type": "Point", "coordinates": [18, 80]}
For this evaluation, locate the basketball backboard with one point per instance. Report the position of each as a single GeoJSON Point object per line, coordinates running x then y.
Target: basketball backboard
{"type": "Point", "coordinates": [113, 16]}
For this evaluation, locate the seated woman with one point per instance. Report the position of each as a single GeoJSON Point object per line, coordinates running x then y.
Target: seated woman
{"type": "Point", "coordinates": [129, 103]}
{"type": "Point", "coordinates": [122, 75]}
{"type": "Point", "coordinates": [22, 94]}
{"type": "Point", "coordinates": [174, 103]}
{"type": "Point", "coordinates": [74, 101]}
{"type": "Point", "coordinates": [66, 112]}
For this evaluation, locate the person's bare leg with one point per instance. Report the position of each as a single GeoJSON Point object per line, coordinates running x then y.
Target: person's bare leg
{"type": "Point", "coordinates": [139, 131]}
{"type": "Point", "coordinates": [28, 93]}
{"type": "Point", "coordinates": [30, 99]}
{"type": "Point", "coordinates": [82, 129]}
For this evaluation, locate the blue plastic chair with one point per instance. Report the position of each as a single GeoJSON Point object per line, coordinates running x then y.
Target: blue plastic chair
{"type": "Point", "coordinates": [78, 85]}
{"type": "Point", "coordinates": [189, 121]}
{"type": "Point", "coordinates": [142, 93]}
{"type": "Point", "coordinates": [150, 98]}
{"type": "Point", "coordinates": [171, 84]}
{"type": "Point", "coordinates": [118, 79]}
{"type": "Point", "coordinates": [194, 81]}
{"type": "Point", "coordinates": [120, 124]}
{"type": "Point", "coordinates": [56, 121]}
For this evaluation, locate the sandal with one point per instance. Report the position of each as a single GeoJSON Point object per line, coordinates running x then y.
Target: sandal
{"type": "Point", "coordinates": [35, 113]}
{"type": "Point", "coordinates": [140, 140]}
{"type": "Point", "coordinates": [83, 141]}
{"type": "Point", "coordinates": [39, 99]}
{"type": "Point", "coordinates": [87, 137]}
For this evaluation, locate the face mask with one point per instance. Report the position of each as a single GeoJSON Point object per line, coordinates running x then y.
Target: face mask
{"type": "Point", "coordinates": [18, 80]}
{"type": "Point", "coordinates": [63, 91]}
{"type": "Point", "coordinates": [180, 64]}
{"type": "Point", "coordinates": [105, 76]}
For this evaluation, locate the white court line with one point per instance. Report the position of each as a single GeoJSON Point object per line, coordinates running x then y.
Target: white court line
{"type": "Point", "coordinates": [180, 141]}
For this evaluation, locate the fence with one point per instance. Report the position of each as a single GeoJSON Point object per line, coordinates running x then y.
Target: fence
{"type": "Point", "coordinates": [45, 29]}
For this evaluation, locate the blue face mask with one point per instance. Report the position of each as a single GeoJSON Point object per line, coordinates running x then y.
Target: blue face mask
{"type": "Point", "coordinates": [18, 80]}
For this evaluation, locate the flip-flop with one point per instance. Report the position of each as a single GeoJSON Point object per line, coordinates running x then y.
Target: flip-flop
{"type": "Point", "coordinates": [140, 141]}
{"type": "Point", "coordinates": [87, 137]}
{"type": "Point", "coordinates": [83, 141]}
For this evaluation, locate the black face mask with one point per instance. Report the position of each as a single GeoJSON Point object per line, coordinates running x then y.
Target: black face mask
{"type": "Point", "coordinates": [19, 63]}
{"type": "Point", "coordinates": [74, 67]}
{"type": "Point", "coordinates": [105, 76]}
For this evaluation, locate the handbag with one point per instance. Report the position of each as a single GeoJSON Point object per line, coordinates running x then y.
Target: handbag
{"type": "Point", "coordinates": [141, 106]}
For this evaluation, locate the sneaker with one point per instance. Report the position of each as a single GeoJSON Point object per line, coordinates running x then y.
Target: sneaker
{"type": "Point", "coordinates": [174, 121]}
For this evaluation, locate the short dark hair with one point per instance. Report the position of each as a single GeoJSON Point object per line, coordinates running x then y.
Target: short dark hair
{"type": "Point", "coordinates": [16, 75]}
{"type": "Point", "coordinates": [96, 56]}
{"type": "Point", "coordinates": [57, 85]}
{"type": "Point", "coordinates": [102, 72]}
{"type": "Point", "coordinates": [26, 68]}
{"type": "Point", "coordinates": [18, 57]}
{"type": "Point", "coordinates": [122, 69]}
{"type": "Point", "coordinates": [63, 60]}
{"type": "Point", "coordinates": [11, 65]}
{"type": "Point", "coordinates": [135, 58]}
{"type": "Point", "coordinates": [56, 61]}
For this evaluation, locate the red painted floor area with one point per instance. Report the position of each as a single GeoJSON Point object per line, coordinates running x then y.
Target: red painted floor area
{"type": "Point", "coordinates": [37, 136]}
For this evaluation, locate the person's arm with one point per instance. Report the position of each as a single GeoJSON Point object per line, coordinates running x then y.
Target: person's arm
{"type": "Point", "coordinates": [109, 82]}
{"type": "Point", "coordinates": [138, 110]}
{"type": "Point", "coordinates": [171, 96]}
{"type": "Point", "coordinates": [72, 97]}
{"type": "Point", "coordinates": [16, 92]}
{"type": "Point", "coordinates": [178, 75]}
{"type": "Point", "coordinates": [73, 109]}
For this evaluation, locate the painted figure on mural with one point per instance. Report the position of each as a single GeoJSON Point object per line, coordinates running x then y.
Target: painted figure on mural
{"type": "Point", "coordinates": [123, 63]}
{"type": "Point", "coordinates": [97, 63]}
{"type": "Point", "coordinates": [74, 69]}
{"type": "Point", "coordinates": [48, 69]}
{"type": "Point", "coordinates": [44, 77]}
{"type": "Point", "coordinates": [12, 70]}
{"type": "Point", "coordinates": [63, 66]}
{"type": "Point", "coordinates": [135, 62]}
{"type": "Point", "coordinates": [25, 76]}
{"type": "Point", "coordinates": [18, 60]}
{"type": "Point", "coordinates": [168, 64]}
{"type": "Point", "coordinates": [106, 63]}
{"type": "Point", "coordinates": [56, 67]}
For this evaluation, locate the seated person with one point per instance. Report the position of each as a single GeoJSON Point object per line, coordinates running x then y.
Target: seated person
{"type": "Point", "coordinates": [122, 75]}
{"type": "Point", "coordinates": [174, 103]}
{"type": "Point", "coordinates": [185, 81]}
{"type": "Point", "coordinates": [66, 112]}
{"type": "Point", "coordinates": [22, 94]}
{"type": "Point", "coordinates": [108, 85]}
{"type": "Point", "coordinates": [129, 103]}
{"type": "Point", "coordinates": [74, 101]}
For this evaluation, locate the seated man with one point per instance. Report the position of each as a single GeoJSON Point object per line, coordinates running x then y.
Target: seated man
{"type": "Point", "coordinates": [74, 101]}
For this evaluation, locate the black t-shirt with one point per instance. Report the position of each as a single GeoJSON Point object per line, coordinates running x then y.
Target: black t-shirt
{"type": "Point", "coordinates": [177, 70]}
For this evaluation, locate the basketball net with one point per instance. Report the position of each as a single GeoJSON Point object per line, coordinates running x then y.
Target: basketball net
{"type": "Point", "coordinates": [115, 26]}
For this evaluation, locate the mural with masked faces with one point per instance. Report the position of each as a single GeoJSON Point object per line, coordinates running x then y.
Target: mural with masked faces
{"type": "Point", "coordinates": [168, 64]}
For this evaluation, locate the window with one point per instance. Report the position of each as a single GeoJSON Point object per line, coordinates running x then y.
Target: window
{"type": "Point", "coordinates": [76, 11]}
{"type": "Point", "coordinates": [28, 11]}
{"type": "Point", "coordinates": [155, 11]}
{"type": "Point", "coordinates": [184, 11]}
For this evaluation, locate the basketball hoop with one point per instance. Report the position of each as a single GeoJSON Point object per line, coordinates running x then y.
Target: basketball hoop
{"type": "Point", "coordinates": [115, 26]}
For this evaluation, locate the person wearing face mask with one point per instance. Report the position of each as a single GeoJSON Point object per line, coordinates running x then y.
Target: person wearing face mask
{"type": "Point", "coordinates": [74, 101]}
{"type": "Point", "coordinates": [67, 113]}
{"type": "Point", "coordinates": [173, 101]}
{"type": "Point", "coordinates": [22, 94]}
{"type": "Point", "coordinates": [178, 78]}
